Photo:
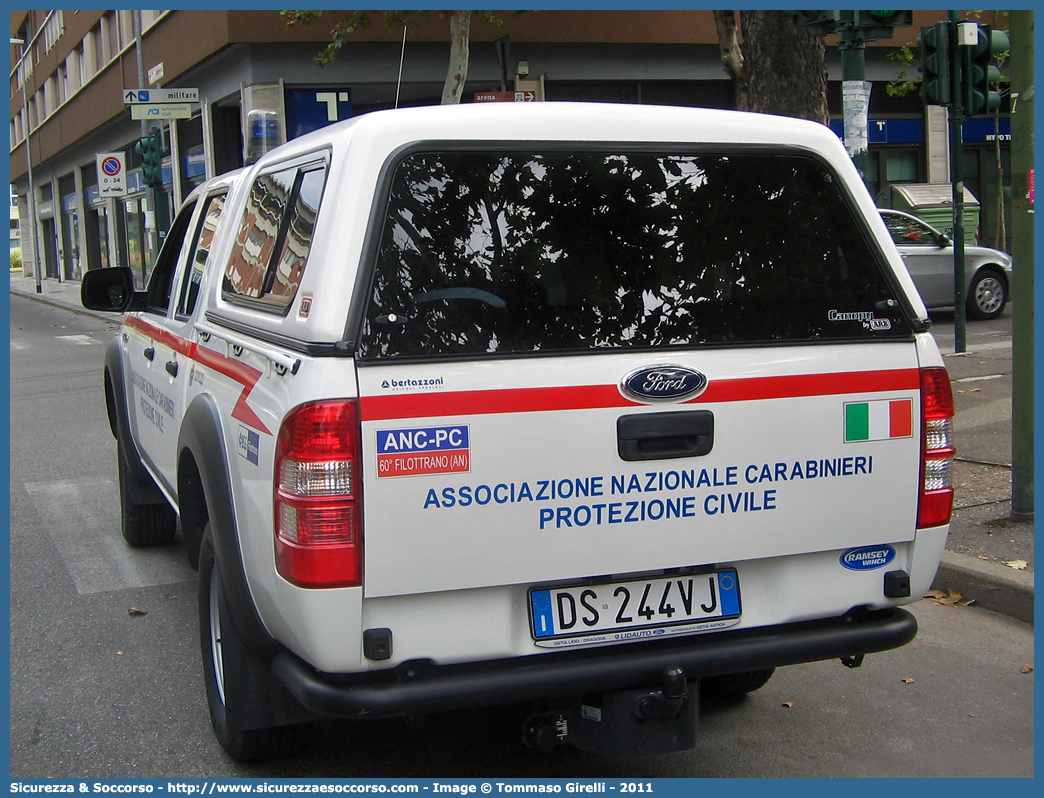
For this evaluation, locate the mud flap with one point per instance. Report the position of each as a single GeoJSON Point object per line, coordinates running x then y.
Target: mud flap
{"type": "Point", "coordinates": [624, 723]}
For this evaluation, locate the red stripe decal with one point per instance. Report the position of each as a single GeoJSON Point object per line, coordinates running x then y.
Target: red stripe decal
{"type": "Point", "coordinates": [162, 336]}
{"type": "Point", "coordinates": [535, 400]}
{"type": "Point", "coordinates": [236, 370]}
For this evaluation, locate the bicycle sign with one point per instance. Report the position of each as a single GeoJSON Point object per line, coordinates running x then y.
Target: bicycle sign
{"type": "Point", "coordinates": [112, 174]}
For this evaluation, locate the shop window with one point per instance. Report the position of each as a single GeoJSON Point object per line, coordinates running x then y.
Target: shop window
{"type": "Point", "coordinates": [901, 166]}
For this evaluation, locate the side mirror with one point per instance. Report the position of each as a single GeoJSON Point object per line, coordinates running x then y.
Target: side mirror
{"type": "Point", "coordinates": [943, 240]}
{"type": "Point", "coordinates": [110, 290]}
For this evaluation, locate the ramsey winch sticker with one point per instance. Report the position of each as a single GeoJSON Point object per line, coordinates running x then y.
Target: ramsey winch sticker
{"type": "Point", "coordinates": [427, 450]}
{"type": "Point", "coordinates": [867, 558]}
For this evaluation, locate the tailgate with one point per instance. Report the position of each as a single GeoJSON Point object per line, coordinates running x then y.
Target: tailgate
{"type": "Point", "coordinates": [475, 482]}
{"type": "Point", "coordinates": [578, 364]}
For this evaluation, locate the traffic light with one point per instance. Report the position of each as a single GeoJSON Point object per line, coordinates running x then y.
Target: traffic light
{"type": "Point", "coordinates": [934, 43]}
{"type": "Point", "coordinates": [872, 25]}
{"type": "Point", "coordinates": [980, 75]}
{"type": "Point", "coordinates": [150, 148]}
{"type": "Point", "coordinates": [819, 23]}
{"type": "Point", "coordinates": [884, 19]}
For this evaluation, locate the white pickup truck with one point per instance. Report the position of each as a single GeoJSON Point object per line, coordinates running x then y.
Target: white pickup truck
{"type": "Point", "coordinates": [581, 406]}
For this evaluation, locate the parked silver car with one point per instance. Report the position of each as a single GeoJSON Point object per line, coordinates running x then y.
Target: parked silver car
{"type": "Point", "coordinates": [928, 254]}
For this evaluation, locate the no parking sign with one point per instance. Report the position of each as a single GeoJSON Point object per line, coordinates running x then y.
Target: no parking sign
{"type": "Point", "coordinates": [112, 174]}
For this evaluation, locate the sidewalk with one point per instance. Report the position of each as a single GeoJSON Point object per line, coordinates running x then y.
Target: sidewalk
{"type": "Point", "coordinates": [982, 537]}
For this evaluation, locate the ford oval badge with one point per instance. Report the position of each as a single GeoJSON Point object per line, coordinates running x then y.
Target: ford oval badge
{"type": "Point", "coordinates": [663, 384]}
{"type": "Point", "coordinates": [867, 558]}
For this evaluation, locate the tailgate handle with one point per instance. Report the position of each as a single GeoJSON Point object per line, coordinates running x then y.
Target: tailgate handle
{"type": "Point", "coordinates": [661, 436]}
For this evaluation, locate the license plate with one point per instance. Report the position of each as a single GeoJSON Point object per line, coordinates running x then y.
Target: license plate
{"type": "Point", "coordinates": [644, 608]}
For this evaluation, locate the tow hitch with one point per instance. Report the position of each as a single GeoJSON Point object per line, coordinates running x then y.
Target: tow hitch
{"type": "Point", "coordinates": [624, 723]}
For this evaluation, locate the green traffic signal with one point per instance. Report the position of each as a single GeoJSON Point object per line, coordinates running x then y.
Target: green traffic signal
{"type": "Point", "coordinates": [934, 43]}
{"type": "Point", "coordinates": [980, 75]}
{"type": "Point", "coordinates": [895, 19]}
{"type": "Point", "coordinates": [873, 25]}
{"type": "Point", "coordinates": [150, 148]}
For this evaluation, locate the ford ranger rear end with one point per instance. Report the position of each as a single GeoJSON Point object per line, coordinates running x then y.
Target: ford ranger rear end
{"type": "Point", "coordinates": [567, 405]}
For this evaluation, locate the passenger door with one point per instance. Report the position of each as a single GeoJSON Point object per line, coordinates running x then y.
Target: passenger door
{"type": "Point", "coordinates": [156, 348]}
{"type": "Point", "coordinates": [929, 261]}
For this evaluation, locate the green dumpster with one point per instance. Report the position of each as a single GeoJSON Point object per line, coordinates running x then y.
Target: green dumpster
{"type": "Point", "coordinates": [933, 202]}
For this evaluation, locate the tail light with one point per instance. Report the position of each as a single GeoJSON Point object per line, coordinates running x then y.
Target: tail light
{"type": "Point", "coordinates": [936, 502]}
{"type": "Point", "coordinates": [318, 500]}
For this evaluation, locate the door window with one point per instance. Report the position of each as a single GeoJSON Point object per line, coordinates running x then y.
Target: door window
{"type": "Point", "coordinates": [160, 283]}
{"type": "Point", "coordinates": [200, 256]}
{"type": "Point", "coordinates": [908, 232]}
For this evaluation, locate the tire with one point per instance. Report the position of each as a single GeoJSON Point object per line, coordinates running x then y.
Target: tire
{"type": "Point", "coordinates": [734, 685]}
{"type": "Point", "coordinates": [987, 294]}
{"type": "Point", "coordinates": [237, 680]}
{"type": "Point", "coordinates": [143, 525]}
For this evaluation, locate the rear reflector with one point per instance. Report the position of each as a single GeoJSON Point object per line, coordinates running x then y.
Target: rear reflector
{"type": "Point", "coordinates": [937, 411]}
{"type": "Point", "coordinates": [318, 539]}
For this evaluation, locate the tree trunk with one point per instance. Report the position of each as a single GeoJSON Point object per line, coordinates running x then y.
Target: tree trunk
{"type": "Point", "coordinates": [785, 66]}
{"type": "Point", "coordinates": [732, 57]}
{"type": "Point", "coordinates": [460, 44]}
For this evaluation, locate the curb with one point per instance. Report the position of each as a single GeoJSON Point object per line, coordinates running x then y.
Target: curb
{"type": "Point", "coordinates": [992, 586]}
{"type": "Point", "coordinates": [65, 304]}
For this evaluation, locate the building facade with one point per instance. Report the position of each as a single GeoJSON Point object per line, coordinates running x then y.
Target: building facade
{"type": "Point", "coordinates": [258, 86]}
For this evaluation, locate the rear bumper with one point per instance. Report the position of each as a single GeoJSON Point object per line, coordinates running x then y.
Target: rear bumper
{"type": "Point", "coordinates": [420, 688]}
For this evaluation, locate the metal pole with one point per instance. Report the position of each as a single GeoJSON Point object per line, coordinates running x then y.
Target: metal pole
{"type": "Point", "coordinates": [1022, 249]}
{"type": "Point", "coordinates": [957, 178]}
{"type": "Point", "coordinates": [855, 96]}
{"type": "Point", "coordinates": [31, 191]}
{"type": "Point", "coordinates": [150, 193]}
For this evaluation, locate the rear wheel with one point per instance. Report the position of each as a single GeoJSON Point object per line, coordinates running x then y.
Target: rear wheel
{"type": "Point", "coordinates": [734, 685]}
{"type": "Point", "coordinates": [143, 525]}
{"type": "Point", "coordinates": [236, 680]}
{"type": "Point", "coordinates": [987, 295]}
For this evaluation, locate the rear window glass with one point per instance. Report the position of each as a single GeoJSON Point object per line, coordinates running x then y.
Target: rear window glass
{"type": "Point", "coordinates": [564, 251]}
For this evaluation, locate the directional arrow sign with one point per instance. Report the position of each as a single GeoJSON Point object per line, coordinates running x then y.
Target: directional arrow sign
{"type": "Point", "coordinates": [505, 96]}
{"type": "Point", "coordinates": [156, 96]}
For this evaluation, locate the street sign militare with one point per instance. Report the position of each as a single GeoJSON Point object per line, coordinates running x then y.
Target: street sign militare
{"type": "Point", "coordinates": [158, 96]}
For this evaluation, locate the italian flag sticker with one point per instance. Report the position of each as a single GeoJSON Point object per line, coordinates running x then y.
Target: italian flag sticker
{"type": "Point", "coordinates": [879, 420]}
